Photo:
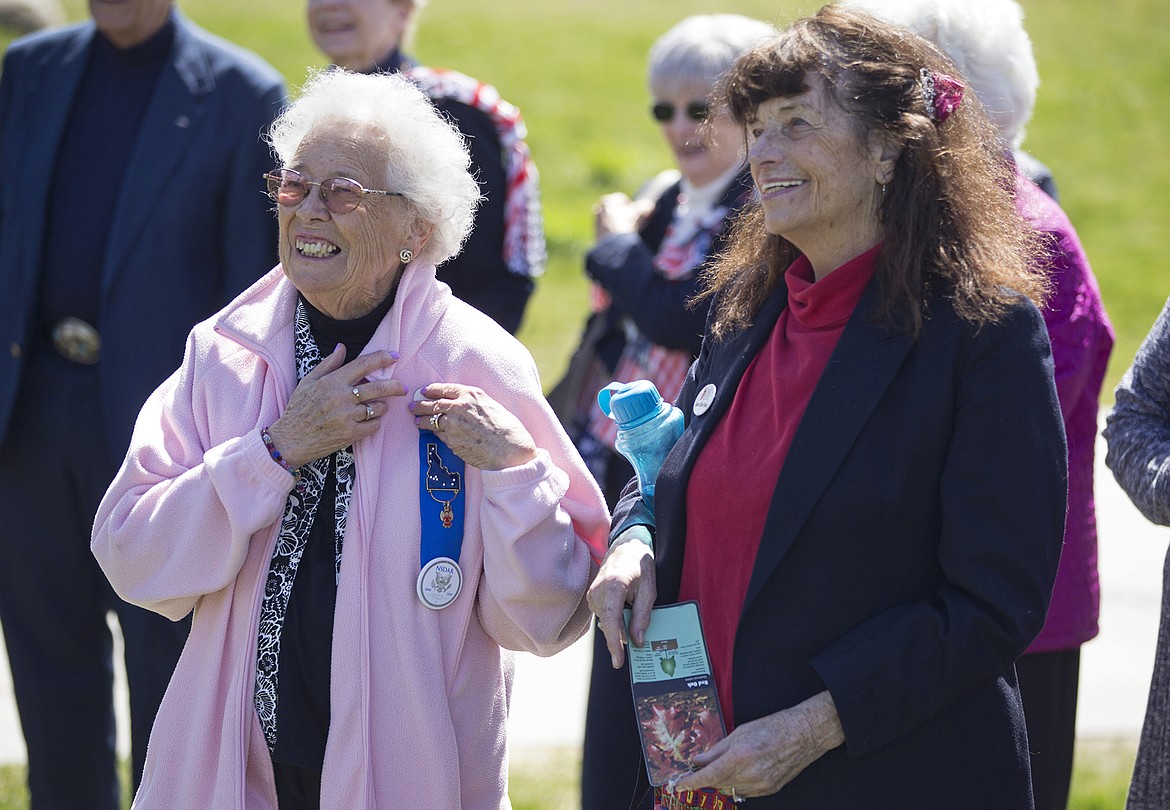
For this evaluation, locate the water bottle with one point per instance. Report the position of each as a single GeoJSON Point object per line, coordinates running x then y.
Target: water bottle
{"type": "Point", "coordinates": [647, 428]}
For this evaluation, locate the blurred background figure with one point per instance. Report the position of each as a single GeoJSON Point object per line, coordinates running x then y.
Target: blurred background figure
{"type": "Point", "coordinates": [506, 250]}
{"type": "Point", "coordinates": [130, 150]}
{"type": "Point", "coordinates": [646, 267]}
{"type": "Point", "coordinates": [647, 262]}
{"type": "Point", "coordinates": [20, 17]}
{"type": "Point", "coordinates": [988, 43]}
{"type": "Point", "coordinates": [1137, 434]}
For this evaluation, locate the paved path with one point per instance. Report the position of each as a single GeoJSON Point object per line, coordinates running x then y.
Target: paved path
{"type": "Point", "coordinates": [548, 703]}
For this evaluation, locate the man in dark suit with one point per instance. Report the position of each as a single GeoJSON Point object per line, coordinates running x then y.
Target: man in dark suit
{"type": "Point", "coordinates": [132, 207]}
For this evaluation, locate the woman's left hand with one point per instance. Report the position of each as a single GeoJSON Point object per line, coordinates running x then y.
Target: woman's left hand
{"type": "Point", "coordinates": [478, 429]}
{"type": "Point", "coordinates": [760, 757]}
{"type": "Point", "coordinates": [617, 213]}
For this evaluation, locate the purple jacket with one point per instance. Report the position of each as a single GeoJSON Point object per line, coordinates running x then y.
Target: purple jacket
{"type": "Point", "coordinates": [1082, 339]}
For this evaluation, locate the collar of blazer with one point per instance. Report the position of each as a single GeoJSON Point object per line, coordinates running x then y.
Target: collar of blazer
{"type": "Point", "coordinates": [864, 363]}
{"type": "Point", "coordinates": [172, 121]}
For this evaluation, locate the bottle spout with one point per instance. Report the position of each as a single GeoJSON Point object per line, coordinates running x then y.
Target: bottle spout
{"type": "Point", "coordinates": [630, 404]}
{"type": "Point", "coordinates": [605, 395]}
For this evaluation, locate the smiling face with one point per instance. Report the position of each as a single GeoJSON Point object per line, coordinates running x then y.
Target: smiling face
{"type": "Point", "coordinates": [127, 23]}
{"type": "Point", "coordinates": [702, 151]}
{"type": "Point", "coordinates": [356, 33]}
{"type": "Point", "coordinates": [345, 264]}
{"type": "Point", "coordinates": [818, 175]}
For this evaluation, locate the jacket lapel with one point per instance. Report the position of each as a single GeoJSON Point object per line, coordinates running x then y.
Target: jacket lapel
{"type": "Point", "coordinates": [172, 119]}
{"type": "Point", "coordinates": [862, 366]}
{"type": "Point", "coordinates": [50, 100]}
{"type": "Point", "coordinates": [723, 367]}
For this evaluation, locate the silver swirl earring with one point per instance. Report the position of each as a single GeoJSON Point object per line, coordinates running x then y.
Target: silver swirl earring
{"type": "Point", "coordinates": [405, 255]}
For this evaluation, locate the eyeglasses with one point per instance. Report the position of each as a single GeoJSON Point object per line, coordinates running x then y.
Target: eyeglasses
{"type": "Point", "coordinates": [340, 194]}
{"type": "Point", "coordinates": [696, 111]}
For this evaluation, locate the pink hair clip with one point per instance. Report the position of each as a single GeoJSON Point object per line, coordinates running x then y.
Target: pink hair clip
{"type": "Point", "coordinates": [942, 94]}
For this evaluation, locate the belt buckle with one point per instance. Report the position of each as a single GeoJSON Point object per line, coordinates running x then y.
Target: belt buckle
{"type": "Point", "coordinates": [77, 341]}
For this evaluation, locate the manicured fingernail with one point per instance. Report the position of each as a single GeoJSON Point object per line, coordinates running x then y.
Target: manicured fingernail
{"type": "Point", "coordinates": [410, 405]}
{"type": "Point", "coordinates": [335, 348]}
{"type": "Point", "coordinates": [395, 355]}
{"type": "Point", "coordinates": [406, 393]}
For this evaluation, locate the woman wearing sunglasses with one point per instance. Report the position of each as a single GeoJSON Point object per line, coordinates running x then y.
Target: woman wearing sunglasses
{"type": "Point", "coordinates": [646, 268]}
{"type": "Point", "coordinates": [355, 483]}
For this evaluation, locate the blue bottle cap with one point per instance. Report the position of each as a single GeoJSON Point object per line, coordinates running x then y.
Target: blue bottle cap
{"type": "Point", "coordinates": [630, 404]}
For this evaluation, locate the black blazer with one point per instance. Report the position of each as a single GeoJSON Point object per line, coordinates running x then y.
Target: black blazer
{"type": "Point", "coordinates": [908, 553]}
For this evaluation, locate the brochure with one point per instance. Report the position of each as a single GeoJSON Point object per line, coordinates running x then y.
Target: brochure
{"type": "Point", "coordinates": [674, 692]}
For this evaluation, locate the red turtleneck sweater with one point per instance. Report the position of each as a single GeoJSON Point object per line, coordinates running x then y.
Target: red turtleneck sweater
{"type": "Point", "coordinates": [734, 478]}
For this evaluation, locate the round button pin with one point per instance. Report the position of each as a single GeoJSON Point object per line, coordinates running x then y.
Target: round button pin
{"type": "Point", "coordinates": [704, 399]}
{"type": "Point", "coordinates": [439, 583]}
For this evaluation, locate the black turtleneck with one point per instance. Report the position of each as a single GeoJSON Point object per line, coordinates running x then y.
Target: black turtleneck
{"type": "Point", "coordinates": [95, 152]}
{"type": "Point", "coordinates": [306, 638]}
{"type": "Point", "coordinates": [355, 334]}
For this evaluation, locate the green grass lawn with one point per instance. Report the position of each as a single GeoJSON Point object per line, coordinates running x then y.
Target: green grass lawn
{"type": "Point", "coordinates": [576, 68]}
{"type": "Point", "coordinates": [550, 780]}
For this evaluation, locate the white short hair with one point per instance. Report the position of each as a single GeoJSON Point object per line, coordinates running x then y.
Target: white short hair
{"type": "Point", "coordinates": [426, 158]}
{"type": "Point", "coordinates": [699, 49]}
{"type": "Point", "coordinates": [988, 44]}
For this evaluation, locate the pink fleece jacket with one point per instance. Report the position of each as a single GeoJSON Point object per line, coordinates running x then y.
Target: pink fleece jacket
{"type": "Point", "coordinates": [419, 698]}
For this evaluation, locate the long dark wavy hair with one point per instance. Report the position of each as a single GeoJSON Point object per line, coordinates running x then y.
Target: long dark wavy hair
{"type": "Point", "coordinates": [948, 216]}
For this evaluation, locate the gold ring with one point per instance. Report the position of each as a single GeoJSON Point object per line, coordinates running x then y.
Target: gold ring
{"type": "Point", "coordinates": [437, 421]}
{"type": "Point", "coordinates": [369, 413]}
{"type": "Point", "coordinates": [356, 394]}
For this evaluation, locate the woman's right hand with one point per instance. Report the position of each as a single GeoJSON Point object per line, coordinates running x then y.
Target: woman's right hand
{"type": "Point", "coordinates": [626, 577]}
{"type": "Point", "coordinates": [323, 415]}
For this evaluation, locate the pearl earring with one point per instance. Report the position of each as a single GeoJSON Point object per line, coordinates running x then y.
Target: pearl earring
{"type": "Point", "coordinates": [405, 255]}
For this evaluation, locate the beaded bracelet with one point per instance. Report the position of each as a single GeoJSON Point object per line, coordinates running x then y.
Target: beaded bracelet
{"type": "Point", "coordinates": [279, 459]}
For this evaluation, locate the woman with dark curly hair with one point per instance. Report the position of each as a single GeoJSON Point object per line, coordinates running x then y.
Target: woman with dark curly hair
{"type": "Point", "coordinates": [869, 498]}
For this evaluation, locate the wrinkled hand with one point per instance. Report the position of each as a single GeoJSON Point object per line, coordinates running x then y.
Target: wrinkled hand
{"type": "Point", "coordinates": [626, 576]}
{"type": "Point", "coordinates": [478, 429]}
{"type": "Point", "coordinates": [323, 415]}
{"type": "Point", "coordinates": [617, 213]}
{"type": "Point", "coordinates": [761, 757]}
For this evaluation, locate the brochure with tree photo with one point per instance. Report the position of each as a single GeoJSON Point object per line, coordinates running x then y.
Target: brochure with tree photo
{"type": "Point", "coordinates": [674, 692]}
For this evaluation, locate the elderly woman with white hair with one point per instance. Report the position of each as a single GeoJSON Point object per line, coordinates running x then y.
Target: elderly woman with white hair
{"type": "Point", "coordinates": [355, 484]}
{"type": "Point", "coordinates": [988, 44]}
{"type": "Point", "coordinates": [650, 251]}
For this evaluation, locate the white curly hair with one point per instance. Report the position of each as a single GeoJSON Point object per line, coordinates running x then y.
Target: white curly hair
{"type": "Point", "coordinates": [426, 157]}
{"type": "Point", "coordinates": [988, 44]}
